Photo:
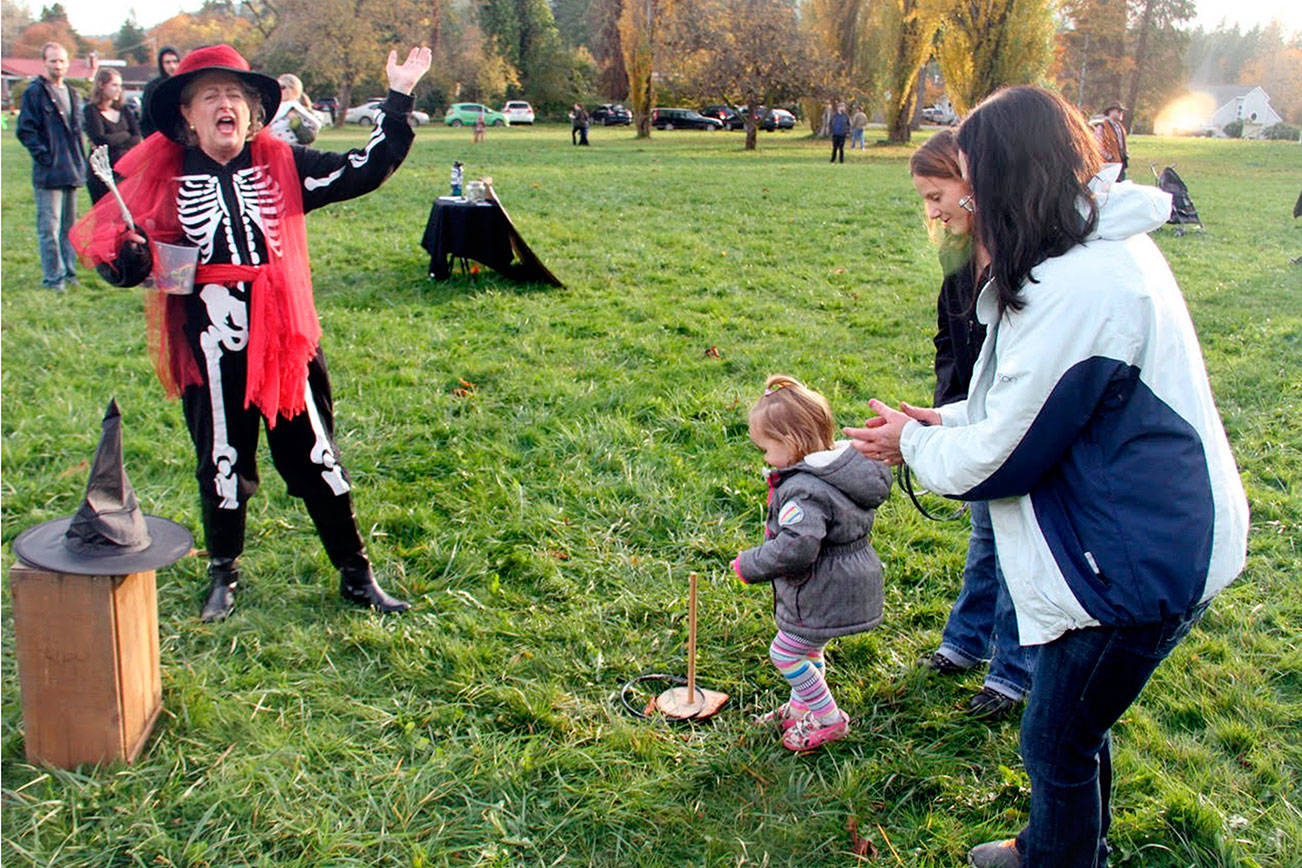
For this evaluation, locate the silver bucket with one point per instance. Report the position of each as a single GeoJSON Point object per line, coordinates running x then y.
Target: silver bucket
{"type": "Point", "coordinates": [174, 267]}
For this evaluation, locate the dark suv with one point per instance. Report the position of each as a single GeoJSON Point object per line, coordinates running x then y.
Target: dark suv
{"type": "Point", "coordinates": [610, 114]}
{"type": "Point", "coordinates": [729, 117]}
{"type": "Point", "coordinates": [682, 119]}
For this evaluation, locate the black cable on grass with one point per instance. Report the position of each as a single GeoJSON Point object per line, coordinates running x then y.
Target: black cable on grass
{"type": "Point", "coordinates": [629, 686]}
{"type": "Point", "coordinates": [905, 480]}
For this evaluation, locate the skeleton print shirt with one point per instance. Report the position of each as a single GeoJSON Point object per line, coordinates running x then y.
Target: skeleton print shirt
{"type": "Point", "coordinates": [221, 206]}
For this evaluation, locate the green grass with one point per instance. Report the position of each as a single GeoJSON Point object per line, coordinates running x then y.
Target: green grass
{"type": "Point", "coordinates": [545, 522]}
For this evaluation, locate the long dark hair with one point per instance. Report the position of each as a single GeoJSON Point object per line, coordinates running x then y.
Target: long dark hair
{"type": "Point", "coordinates": [1030, 155]}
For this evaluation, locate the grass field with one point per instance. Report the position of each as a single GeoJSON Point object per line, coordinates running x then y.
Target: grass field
{"type": "Point", "coordinates": [540, 469]}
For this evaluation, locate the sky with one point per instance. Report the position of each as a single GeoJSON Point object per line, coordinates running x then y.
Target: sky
{"type": "Point", "coordinates": [100, 18]}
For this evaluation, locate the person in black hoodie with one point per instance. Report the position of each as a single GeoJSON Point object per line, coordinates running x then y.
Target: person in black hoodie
{"type": "Point", "coordinates": [168, 60]}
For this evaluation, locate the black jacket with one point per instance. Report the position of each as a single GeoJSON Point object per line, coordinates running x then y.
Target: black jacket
{"type": "Point", "coordinates": [54, 141]}
{"type": "Point", "coordinates": [146, 122]}
{"type": "Point", "coordinates": [958, 335]}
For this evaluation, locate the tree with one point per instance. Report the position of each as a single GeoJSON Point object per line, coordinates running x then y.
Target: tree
{"type": "Point", "coordinates": [14, 17]}
{"type": "Point", "coordinates": [608, 54]}
{"type": "Point", "coordinates": [187, 31]}
{"type": "Point", "coordinates": [987, 44]}
{"type": "Point", "coordinates": [525, 35]}
{"type": "Point", "coordinates": [343, 42]}
{"type": "Point", "coordinates": [901, 42]}
{"type": "Point", "coordinates": [838, 32]}
{"type": "Point", "coordinates": [132, 41]}
{"type": "Point", "coordinates": [1277, 67]}
{"type": "Point", "coordinates": [1158, 49]}
{"type": "Point", "coordinates": [1093, 62]}
{"type": "Point", "coordinates": [53, 13]}
{"type": "Point", "coordinates": [642, 25]}
{"type": "Point", "coordinates": [744, 53]}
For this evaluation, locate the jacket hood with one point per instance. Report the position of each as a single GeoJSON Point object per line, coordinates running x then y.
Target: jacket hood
{"type": "Point", "coordinates": [166, 49]}
{"type": "Point", "coordinates": [847, 470]}
{"type": "Point", "coordinates": [1126, 208]}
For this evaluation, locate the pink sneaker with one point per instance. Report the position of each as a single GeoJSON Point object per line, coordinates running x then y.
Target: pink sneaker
{"type": "Point", "coordinates": [811, 734]}
{"type": "Point", "coordinates": [785, 716]}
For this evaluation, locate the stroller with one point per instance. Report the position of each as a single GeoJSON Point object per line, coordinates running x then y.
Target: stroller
{"type": "Point", "coordinates": [1182, 207]}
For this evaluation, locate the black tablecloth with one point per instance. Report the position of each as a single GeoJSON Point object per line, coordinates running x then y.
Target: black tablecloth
{"type": "Point", "coordinates": [482, 231]}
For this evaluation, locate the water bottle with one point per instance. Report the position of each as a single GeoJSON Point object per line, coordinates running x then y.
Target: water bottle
{"type": "Point", "coordinates": [456, 178]}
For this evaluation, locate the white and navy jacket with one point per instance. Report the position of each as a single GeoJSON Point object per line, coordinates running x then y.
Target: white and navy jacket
{"type": "Point", "coordinates": [1090, 427]}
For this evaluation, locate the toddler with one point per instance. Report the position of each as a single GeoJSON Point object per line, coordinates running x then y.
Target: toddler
{"type": "Point", "coordinates": [827, 580]}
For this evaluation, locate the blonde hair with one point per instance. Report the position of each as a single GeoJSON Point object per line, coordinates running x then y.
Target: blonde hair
{"type": "Point", "coordinates": [795, 414]}
{"type": "Point", "coordinates": [291, 81]}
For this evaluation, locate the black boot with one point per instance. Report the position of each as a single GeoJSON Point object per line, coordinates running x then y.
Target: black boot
{"type": "Point", "coordinates": [337, 527]}
{"type": "Point", "coordinates": [357, 585]}
{"type": "Point", "coordinates": [223, 530]}
{"type": "Point", "coordinates": [223, 577]}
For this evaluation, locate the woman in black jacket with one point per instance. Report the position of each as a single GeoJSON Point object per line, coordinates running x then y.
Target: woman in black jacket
{"type": "Point", "coordinates": [981, 625]}
{"type": "Point", "coordinates": [108, 123]}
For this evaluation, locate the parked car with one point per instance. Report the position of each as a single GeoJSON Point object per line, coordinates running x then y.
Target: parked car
{"type": "Point", "coordinates": [328, 106]}
{"type": "Point", "coordinates": [937, 114]}
{"type": "Point", "coordinates": [518, 111]}
{"type": "Point", "coordinates": [365, 113]}
{"type": "Point", "coordinates": [609, 114]}
{"type": "Point", "coordinates": [461, 114]}
{"type": "Point", "coordinates": [682, 119]}
{"type": "Point", "coordinates": [778, 119]}
{"type": "Point", "coordinates": [729, 117]}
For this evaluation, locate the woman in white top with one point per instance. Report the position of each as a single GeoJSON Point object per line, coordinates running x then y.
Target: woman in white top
{"type": "Point", "coordinates": [295, 122]}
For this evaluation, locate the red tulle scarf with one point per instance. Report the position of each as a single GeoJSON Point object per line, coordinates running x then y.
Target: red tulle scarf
{"type": "Point", "coordinates": [283, 327]}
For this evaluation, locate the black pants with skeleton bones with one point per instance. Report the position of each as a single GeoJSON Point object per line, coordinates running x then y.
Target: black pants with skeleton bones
{"type": "Point", "coordinates": [225, 433]}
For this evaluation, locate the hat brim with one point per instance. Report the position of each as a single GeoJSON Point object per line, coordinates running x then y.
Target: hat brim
{"type": "Point", "coordinates": [165, 102]}
{"type": "Point", "coordinates": [42, 546]}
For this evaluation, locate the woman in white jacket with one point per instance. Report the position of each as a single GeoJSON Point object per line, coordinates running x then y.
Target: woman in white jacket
{"type": "Point", "coordinates": [1090, 428]}
{"type": "Point", "coordinates": [294, 122]}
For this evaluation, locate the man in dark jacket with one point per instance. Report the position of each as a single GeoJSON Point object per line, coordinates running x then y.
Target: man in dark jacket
{"type": "Point", "coordinates": [49, 126]}
{"type": "Point", "coordinates": [840, 128]}
{"type": "Point", "coordinates": [168, 60]}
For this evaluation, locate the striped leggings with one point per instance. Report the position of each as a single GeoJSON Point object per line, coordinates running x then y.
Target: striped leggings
{"type": "Point", "coordinates": [800, 661]}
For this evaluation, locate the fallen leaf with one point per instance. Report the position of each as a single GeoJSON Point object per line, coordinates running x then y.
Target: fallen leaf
{"type": "Point", "coordinates": [713, 352]}
{"type": "Point", "coordinates": [860, 846]}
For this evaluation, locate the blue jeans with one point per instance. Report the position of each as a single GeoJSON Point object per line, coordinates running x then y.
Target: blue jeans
{"type": "Point", "coordinates": [856, 139]}
{"type": "Point", "coordinates": [982, 624]}
{"type": "Point", "coordinates": [1084, 681]}
{"type": "Point", "coordinates": [56, 211]}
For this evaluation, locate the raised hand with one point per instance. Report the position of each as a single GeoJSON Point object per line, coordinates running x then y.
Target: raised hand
{"type": "Point", "coordinates": [403, 77]}
{"type": "Point", "coordinates": [879, 437]}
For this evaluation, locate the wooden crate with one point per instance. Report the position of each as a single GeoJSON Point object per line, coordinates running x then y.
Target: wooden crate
{"type": "Point", "coordinates": [88, 668]}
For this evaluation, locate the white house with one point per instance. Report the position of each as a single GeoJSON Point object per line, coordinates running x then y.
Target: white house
{"type": "Point", "coordinates": [1240, 102]}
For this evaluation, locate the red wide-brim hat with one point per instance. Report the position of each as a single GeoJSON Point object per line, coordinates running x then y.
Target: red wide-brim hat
{"type": "Point", "coordinates": [165, 103]}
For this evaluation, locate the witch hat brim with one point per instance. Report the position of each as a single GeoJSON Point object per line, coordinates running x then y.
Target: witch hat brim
{"type": "Point", "coordinates": [165, 103]}
{"type": "Point", "coordinates": [43, 546]}
{"type": "Point", "coordinates": [109, 535]}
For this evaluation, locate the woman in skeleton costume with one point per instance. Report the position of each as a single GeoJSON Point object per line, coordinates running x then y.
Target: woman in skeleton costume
{"type": "Point", "coordinates": [243, 349]}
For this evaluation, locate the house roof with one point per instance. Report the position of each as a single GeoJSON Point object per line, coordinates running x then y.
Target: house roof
{"type": "Point", "coordinates": [1225, 93]}
{"type": "Point", "coordinates": [30, 67]}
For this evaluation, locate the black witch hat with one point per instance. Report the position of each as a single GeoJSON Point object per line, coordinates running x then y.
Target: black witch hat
{"type": "Point", "coordinates": [109, 535]}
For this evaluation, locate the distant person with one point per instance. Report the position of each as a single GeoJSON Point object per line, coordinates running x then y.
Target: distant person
{"type": "Point", "coordinates": [839, 127]}
{"type": "Point", "coordinates": [858, 125]}
{"type": "Point", "coordinates": [578, 125]}
{"type": "Point", "coordinates": [108, 123]}
{"type": "Point", "coordinates": [1111, 133]}
{"type": "Point", "coordinates": [826, 577]}
{"type": "Point", "coordinates": [168, 59]}
{"type": "Point", "coordinates": [49, 126]}
{"type": "Point", "coordinates": [825, 125]}
{"type": "Point", "coordinates": [480, 127]}
{"type": "Point", "coordinates": [294, 122]}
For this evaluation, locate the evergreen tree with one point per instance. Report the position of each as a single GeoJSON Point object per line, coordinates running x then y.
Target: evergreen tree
{"type": "Point", "coordinates": [132, 41]}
